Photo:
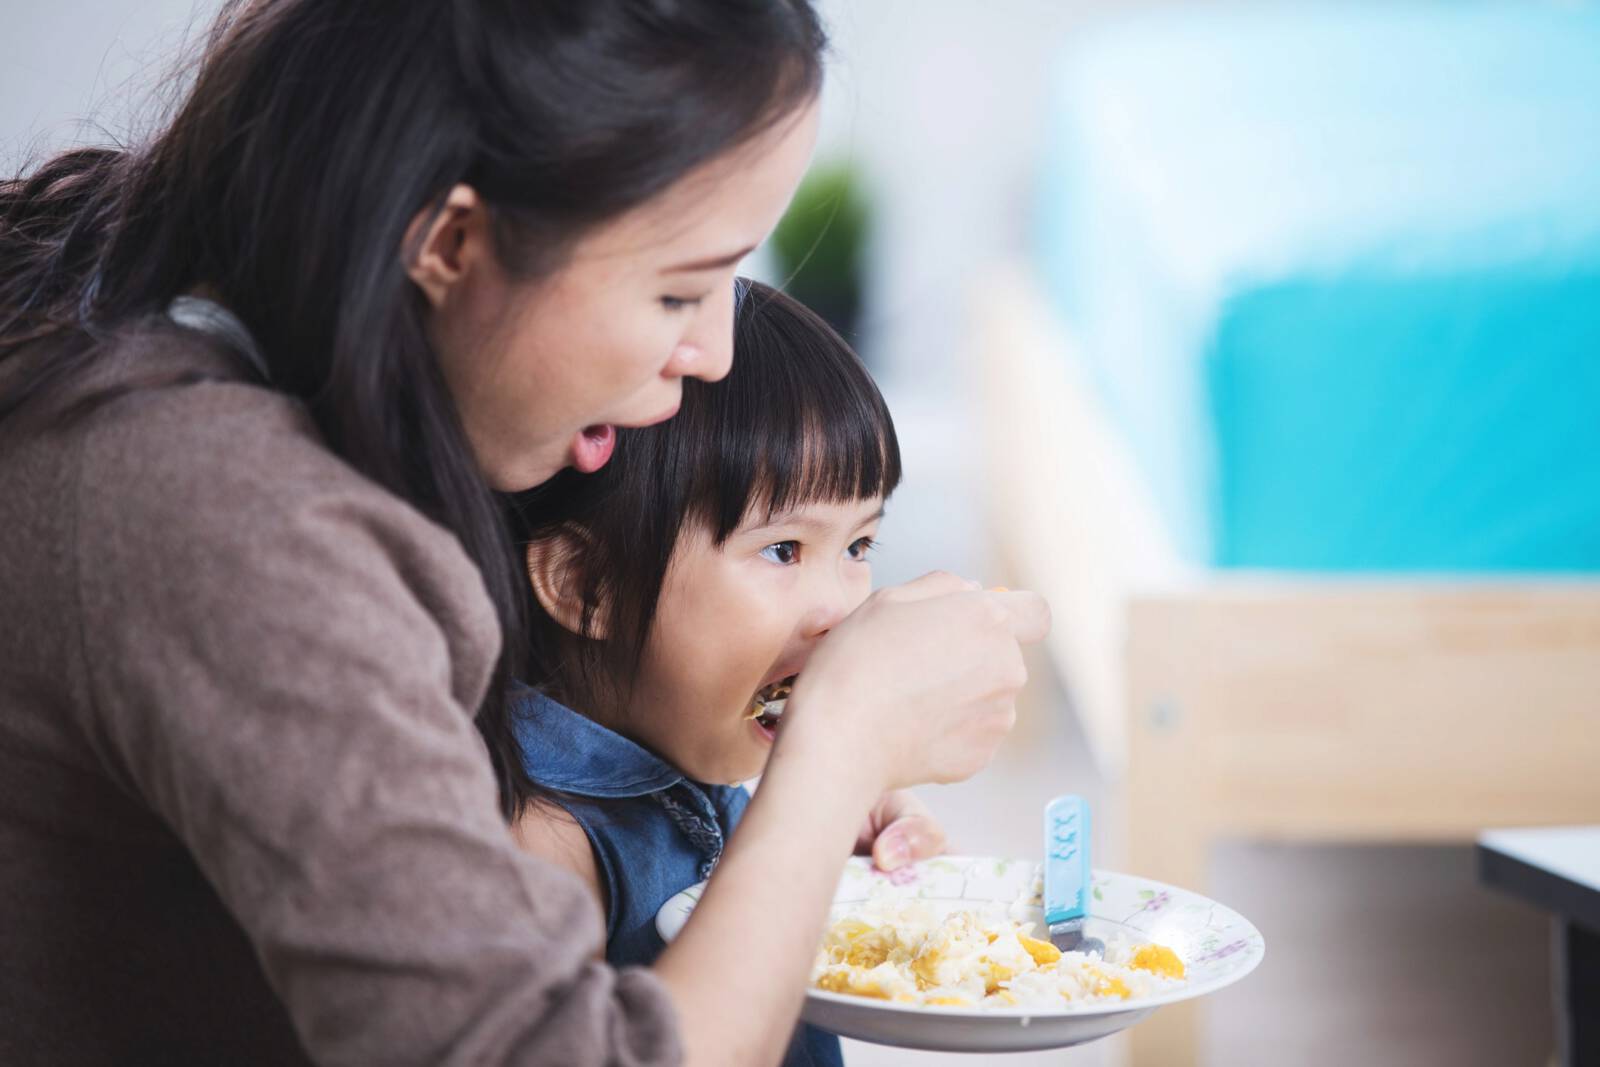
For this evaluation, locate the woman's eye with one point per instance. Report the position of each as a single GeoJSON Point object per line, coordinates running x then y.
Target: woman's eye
{"type": "Point", "coordinates": [862, 548]}
{"type": "Point", "coordinates": [678, 303]}
{"type": "Point", "coordinates": [784, 552]}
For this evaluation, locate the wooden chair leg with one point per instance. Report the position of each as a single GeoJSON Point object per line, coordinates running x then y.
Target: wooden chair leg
{"type": "Point", "coordinates": [1169, 827]}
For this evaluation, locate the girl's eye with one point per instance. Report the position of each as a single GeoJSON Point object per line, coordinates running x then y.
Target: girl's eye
{"type": "Point", "coordinates": [862, 548]}
{"type": "Point", "coordinates": [783, 553]}
{"type": "Point", "coordinates": [678, 303]}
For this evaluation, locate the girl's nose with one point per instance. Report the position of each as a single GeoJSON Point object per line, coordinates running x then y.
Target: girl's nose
{"type": "Point", "coordinates": [833, 602]}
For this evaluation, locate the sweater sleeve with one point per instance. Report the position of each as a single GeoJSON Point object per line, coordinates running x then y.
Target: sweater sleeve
{"type": "Point", "coordinates": [283, 662]}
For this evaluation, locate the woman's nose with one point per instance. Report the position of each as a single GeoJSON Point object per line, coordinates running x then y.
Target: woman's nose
{"type": "Point", "coordinates": [706, 351]}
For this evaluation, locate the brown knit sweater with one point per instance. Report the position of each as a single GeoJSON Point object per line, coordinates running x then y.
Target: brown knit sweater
{"type": "Point", "coordinates": [244, 815]}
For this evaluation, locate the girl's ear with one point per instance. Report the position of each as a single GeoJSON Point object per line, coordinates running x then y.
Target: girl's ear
{"type": "Point", "coordinates": [555, 572]}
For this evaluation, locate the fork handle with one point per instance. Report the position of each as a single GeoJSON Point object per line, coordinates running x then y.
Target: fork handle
{"type": "Point", "coordinates": [1066, 858]}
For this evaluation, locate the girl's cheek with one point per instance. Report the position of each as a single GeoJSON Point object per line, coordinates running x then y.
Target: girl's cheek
{"type": "Point", "coordinates": [862, 577]}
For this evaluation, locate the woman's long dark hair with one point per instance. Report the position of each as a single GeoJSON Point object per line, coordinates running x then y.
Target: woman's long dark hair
{"type": "Point", "coordinates": [314, 133]}
{"type": "Point", "coordinates": [798, 420]}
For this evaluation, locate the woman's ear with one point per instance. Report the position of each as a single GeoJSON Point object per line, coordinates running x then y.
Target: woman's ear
{"type": "Point", "coordinates": [558, 580]}
{"type": "Point", "coordinates": [440, 246]}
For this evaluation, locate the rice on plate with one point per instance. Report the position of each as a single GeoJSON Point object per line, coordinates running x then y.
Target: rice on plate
{"type": "Point", "coordinates": [911, 956]}
{"type": "Point", "coordinates": [907, 950]}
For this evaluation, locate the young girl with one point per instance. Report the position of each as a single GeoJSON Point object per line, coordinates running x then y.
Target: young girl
{"type": "Point", "coordinates": [679, 591]}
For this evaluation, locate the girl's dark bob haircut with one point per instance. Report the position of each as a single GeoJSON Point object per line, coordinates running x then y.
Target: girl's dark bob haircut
{"type": "Point", "coordinates": [798, 420]}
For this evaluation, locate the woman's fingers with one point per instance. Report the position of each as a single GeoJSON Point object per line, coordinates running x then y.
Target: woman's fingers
{"type": "Point", "coordinates": [932, 584]}
{"type": "Point", "coordinates": [918, 684]}
{"type": "Point", "coordinates": [968, 751]}
{"type": "Point", "coordinates": [1027, 614]}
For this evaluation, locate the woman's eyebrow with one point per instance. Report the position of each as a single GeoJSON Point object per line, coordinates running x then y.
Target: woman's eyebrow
{"type": "Point", "coordinates": [713, 263]}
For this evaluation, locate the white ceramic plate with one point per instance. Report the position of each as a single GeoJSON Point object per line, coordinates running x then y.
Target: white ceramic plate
{"type": "Point", "coordinates": [1218, 947]}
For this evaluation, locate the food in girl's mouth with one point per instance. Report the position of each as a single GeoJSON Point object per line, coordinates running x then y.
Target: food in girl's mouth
{"type": "Point", "coordinates": [906, 952]}
{"type": "Point", "coordinates": [767, 706]}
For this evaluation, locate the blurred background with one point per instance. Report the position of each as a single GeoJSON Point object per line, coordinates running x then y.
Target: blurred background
{"type": "Point", "coordinates": [1181, 308]}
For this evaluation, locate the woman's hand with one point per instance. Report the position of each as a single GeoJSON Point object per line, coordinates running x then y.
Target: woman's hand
{"type": "Point", "coordinates": [900, 830]}
{"type": "Point", "coordinates": [919, 684]}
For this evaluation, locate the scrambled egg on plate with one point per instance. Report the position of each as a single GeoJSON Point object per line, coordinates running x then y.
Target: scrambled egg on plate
{"type": "Point", "coordinates": [905, 951]}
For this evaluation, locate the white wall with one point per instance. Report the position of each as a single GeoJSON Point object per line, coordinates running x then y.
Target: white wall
{"type": "Point", "coordinates": [66, 61]}
{"type": "Point", "coordinates": [938, 101]}
{"type": "Point", "coordinates": [941, 103]}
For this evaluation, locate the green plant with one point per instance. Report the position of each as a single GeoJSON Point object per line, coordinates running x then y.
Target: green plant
{"type": "Point", "coordinates": [820, 244]}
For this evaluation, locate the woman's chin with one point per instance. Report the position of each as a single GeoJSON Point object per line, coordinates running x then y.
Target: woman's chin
{"type": "Point", "coordinates": [533, 467]}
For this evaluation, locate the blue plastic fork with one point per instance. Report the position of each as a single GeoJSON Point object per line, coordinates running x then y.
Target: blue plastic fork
{"type": "Point", "coordinates": [1067, 874]}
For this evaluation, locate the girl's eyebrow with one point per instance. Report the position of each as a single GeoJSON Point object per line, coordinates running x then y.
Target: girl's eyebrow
{"type": "Point", "coordinates": [793, 521]}
{"type": "Point", "coordinates": [876, 516]}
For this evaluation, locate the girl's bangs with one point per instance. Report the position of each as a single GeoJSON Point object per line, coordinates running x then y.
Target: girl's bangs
{"type": "Point", "coordinates": [798, 421]}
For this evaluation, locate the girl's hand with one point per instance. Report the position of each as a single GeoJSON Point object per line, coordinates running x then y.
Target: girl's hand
{"type": "Point", "coordinates": [917, 685]}
{"type": "Point", "coordinates": [900, 830]}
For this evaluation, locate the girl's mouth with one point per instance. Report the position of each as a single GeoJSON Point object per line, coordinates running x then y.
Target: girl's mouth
{"type": "Point", "coordinates": [767, 706]}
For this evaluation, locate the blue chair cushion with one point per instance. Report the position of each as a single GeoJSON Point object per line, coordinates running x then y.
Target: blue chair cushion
{"type": "Point", "coordinates": [1336, 272]}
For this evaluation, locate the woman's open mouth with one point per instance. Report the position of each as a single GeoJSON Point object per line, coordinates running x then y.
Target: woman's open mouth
{"type": "Point", "coordinates": [767, 706]}
{"type": "Point", "coordinates": [592, 446]}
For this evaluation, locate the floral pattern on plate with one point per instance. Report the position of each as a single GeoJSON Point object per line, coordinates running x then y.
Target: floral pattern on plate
{"type": "Point", "coordinates": [1217, 945]}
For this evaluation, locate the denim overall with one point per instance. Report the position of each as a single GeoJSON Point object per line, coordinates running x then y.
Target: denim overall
{"type": "Point", "coordinates": [654, 833]}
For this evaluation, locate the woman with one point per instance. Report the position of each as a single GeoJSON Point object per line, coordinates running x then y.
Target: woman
{"type": "Point", "coordinates": [258, 381]}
